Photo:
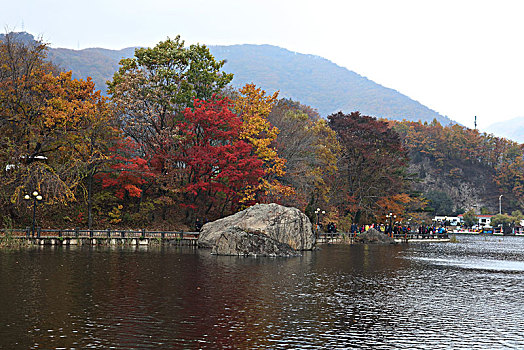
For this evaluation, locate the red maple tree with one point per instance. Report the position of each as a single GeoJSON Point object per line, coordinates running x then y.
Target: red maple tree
{"type": "Point", "coordinates": [216, 165]}
{"type": "Point", "coordinates": [129, 171]}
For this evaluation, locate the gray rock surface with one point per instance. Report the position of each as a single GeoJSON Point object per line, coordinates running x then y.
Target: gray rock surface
{"type": "Point", "coordinates": [374, 236]}
{"type": "Point", "coordinates": [236, 241]}
{"type": "Point", "coordinates": [281, 224]}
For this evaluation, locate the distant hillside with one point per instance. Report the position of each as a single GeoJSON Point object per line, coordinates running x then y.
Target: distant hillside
{"type": "Point", "coordinates": [312, 80]}
{"type": "Point", "coordinates": [512, 129]}
{"type": "Point", "coordinates": [99, 64]}
{"type": "Point", "coordinates": [23, 37]}
{"type": "Point", "coordinates": [318, 82]}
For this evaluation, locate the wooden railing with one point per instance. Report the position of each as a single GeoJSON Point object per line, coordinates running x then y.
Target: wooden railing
{"type": "Point", "coordinates": [182, 235]}
{"type": "Point", "coordinates": [78, 233]}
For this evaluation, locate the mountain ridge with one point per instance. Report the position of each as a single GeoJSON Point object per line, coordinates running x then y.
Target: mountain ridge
{"type": "Point", "coordinates": [339, 87]}
{"type": "Point", "coordinates": [512, 129]}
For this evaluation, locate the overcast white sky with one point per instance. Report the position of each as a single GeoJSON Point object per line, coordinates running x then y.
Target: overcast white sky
{"type": "Point", "coordinates": [461, 58]}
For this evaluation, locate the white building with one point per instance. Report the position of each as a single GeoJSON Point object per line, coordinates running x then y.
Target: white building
{"type": "Point", "coordinates": [482, 220]}
{"type": "Point", "coordinates": [451, 220]}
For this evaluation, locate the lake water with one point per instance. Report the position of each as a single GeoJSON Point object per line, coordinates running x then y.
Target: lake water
{"type": "Point", "coordinates": [467, 295]}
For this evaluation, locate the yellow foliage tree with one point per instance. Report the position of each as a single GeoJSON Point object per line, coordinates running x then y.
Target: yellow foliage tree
{"type": "Point", "coordinates": [54, 130]}
{"type": "Point", "coordinates": [253, 106]}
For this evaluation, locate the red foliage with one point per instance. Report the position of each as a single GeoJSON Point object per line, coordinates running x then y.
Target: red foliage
{"type": "Point", "coordinates": [216, 164]}
{"type": "Point", "coordinates": [129, 171]}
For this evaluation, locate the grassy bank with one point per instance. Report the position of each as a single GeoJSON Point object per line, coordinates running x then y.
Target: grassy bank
{"type": "Point", "coordinates": [7, 241]}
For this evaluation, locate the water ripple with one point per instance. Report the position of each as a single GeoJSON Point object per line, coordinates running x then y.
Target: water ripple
{"type": "Point", "coordinates": [424, 296]}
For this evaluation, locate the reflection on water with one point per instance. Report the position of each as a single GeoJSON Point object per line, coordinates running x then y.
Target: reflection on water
{"type": "Point", "coordinates": [466, 295]}
{"type": "Point", "coordinates": [477, 264]}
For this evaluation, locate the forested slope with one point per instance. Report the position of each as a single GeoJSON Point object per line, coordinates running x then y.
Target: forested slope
{"type": "Point", "coordinates": [470, 168]}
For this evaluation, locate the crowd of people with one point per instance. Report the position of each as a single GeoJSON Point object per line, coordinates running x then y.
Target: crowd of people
{"type": "Point", "coordinates": [398, 229]}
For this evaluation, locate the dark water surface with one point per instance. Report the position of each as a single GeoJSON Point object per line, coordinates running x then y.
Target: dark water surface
{"type": "Point", "coordinates": [466, 295]}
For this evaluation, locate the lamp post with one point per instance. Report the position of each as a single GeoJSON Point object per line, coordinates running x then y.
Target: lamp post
{"type": "Point", "coordinates": [395, 222]}
{"type": "Point", "coordinates": [319, 212]}
{"type": "Point", "coordinates": [391, 216]}
{"type": "Point", "coordinates": [500, 203]}
{"type": "Point", "coordinates": [36, 198]}
{"type": "Point", "coordinates": [318, 219]}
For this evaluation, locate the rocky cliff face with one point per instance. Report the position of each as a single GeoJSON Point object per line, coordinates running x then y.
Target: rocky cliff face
{"type": "Point", "coordinates": [469, 186]}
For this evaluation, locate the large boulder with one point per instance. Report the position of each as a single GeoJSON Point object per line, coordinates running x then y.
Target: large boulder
{"type": "Point", "coordinates": [374, 236]}
{"type": "Point", "coordinates": [281, 224]}
{"type": "Point", "coordinates": [236, 241]}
